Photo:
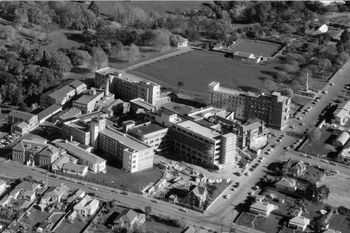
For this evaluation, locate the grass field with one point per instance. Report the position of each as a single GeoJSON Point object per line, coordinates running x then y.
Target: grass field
{"type": "Point", "coordinates": [196, 69]}
{"type": "Point", "coordinates": [263, 48]}
{"type": "Point", "coordinates": [339, 194]}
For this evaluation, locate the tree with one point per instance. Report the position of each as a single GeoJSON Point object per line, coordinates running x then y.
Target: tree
{"type": "Point", "coordinates": [99, 58]}
{"type": "Point", "coordinates": [345, 36]}
{"type": "Point", "coordinates": [288, 92]}
{"type": "Point", "coordinates": [94, 8]}
{"type": "Point", "coordinates": [270, 85]}
{"type": "Point", "coordinates": [148, 210]}
{"type": "Point", "coordinates": [180, 85]}
{"type": "Point", "coordinates": [134, 52]}
{"type": "Point", "coordinates": [59, 61]}
{"type": "Point", "coordinates": [78, 57]}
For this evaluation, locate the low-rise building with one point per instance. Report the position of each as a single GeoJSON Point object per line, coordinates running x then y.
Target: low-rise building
{"type": "Point", "coordinates": [164, 117]}
{"type": "Point", "coordinates": [294, 168]}
{"type": "Point", "coordinates": [65, 158]}
{"type": "Point", "coordinates": [94, 163]}
{"type": "Point", "coordinates": [287, 184]}
{"type": "Point", "coordinates": [129, 219]}
{"type": "Point", "coordinates": [66, 115]}
{"type": "Point", "coordinates": [87, 102]}
{"type": "Point", "coordinates": [35, 153]}
{"type": "Point", "coordinates": [48, 112]}
{"type": "Point", "coordinates": [29, 121]}
{"type": "Point", "coordinates": [53, 197]}
{"type": "Point", "coordinates": [299, 222]}
{"type": "Point", "coordinates": [262, 208]}
{"type": "Point", "coordinates": [134, 154]}
{"type": "Point", "coordinates": [342, 114]}
{"type": "Point", "coordinates": [197, 196]}
{"type": "Point", "coordinates": [74, 169]}
{"type": "Point", "coordinates": [247, 56]}
{"type": "Point", "coordinates": [86, 207]}
{"type": "Point", "coordinates": [62, 94]}
{"type": "Point", "coordinates": [179, 41]}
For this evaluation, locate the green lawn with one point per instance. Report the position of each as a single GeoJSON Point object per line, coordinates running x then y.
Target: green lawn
{"type": "Point", "coordinates": [268, 224]}
{"type": "Point", "coordinates": [66, 226]}
{"type": "Point", "coordinates": [246, 219]}
{"type": "Point", "coordinates": [256, 47]}
{"type": "Point", "coordinates": [196, 69]}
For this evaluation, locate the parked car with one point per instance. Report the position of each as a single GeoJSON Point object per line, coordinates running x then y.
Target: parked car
{"type": "Point", "coordinates": [227, 196]}
{"type": "Point", "coordinates": [183, 210]}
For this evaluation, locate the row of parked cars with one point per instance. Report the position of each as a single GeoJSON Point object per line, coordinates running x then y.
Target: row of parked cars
{"type": "Point", "coordinates": [8, 139]}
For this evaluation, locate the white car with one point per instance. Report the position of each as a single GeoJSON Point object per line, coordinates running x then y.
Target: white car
{"type": "Point", "coordinates": [331, 83]}
{"type": "Point", "coordinates": [227, 196]}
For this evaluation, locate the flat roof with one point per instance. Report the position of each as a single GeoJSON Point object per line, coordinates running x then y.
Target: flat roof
{"type": "Point", "coordinates": [49, 110]}
{"type": "Point", "coordinates": [145, 129]}
{"type": "Point", "coordinates": [198, 129]}
{"type": "Point", "coordinates": [80, 153]}
{"type": "Point", "coordinates": [61, 92]}
{"type": "Point", "coordinates": [142, 103]}
{"type": "Point", "coordinates": [125, 139]}
{"type": "Point", "coordinates": [23, 115]}
{"type": "Point", "coordinates": [87, 98]}
{"type": "Point", "coordinates": [69, 113]}
{"type": "Point", "coordinates": [76, 83]}
{"type": "Point", "coordinates": [124, 76]}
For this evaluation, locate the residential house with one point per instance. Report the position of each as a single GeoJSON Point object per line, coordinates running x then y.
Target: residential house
{"type": "Point", "coordinates": [129, 219]}
{"type": "Point", "coordinates": [342, 114]}
{"type": "Point", "coordinates": [287, 184]}
{"type": "Point", "coordinates": [75, 169]}
{"type": "Point", "coordinates": [294, 168]}
{"type": "Point", "coordinates": [299, 223]}
{"type": "Point", "coordinates": [65, 158]}
{"type": "Point", "coordinates": [262, 208]}
{"type": "Point", "coordinates": [178, 41]}
{"type": "Point", "coordinates": [86, 207]}
{"type": "Point", "coordinates": [53, 197]}
{"type": "Point", "coordinates": [197, 196]}
{"type": "Point", "coordinates": [76, 195]}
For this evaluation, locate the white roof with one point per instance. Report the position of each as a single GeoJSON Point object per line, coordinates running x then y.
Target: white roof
{"type": "Point", "coordinates": [299, 221]}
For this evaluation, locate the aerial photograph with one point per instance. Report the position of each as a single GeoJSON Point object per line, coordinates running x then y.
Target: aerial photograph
{"type": "Point", "coordinates": [175, 116]}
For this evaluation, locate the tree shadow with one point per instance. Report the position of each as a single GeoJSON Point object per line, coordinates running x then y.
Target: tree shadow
{"type": "Point", "coordinates": [77, 37]}
{"type": "Point", "coordinates": [80, 70]}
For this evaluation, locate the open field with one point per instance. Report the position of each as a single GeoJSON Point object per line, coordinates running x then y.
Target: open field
{"type": "Point", "coordinates": [197, 69]}
{"type": "Point", "coordinates": [339, 186]}
{"type": "Point", "coordinates": [256, 47]}
{"type": "Point", "coordinates": [160, 7]}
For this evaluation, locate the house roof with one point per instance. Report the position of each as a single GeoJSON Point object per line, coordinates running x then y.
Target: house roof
{"type": "Point", "coordinates": [80, 153]}
{"type": "Point", "coordinates": [287, 182]}
{"type": "Point", "coordinates": [86, 202]}
{"type": "Point", "coordinates": [49, 110]}
{"type": "Point", "coordinates": [88, 98]}
{"type": "Point", "coordinates": [262, 206]}
{"type": "Point", "coordinates": [127, 215]}
{"type": "Point", "coordinates": [74, 167]}
{"type": "Point", "coordinates": [76, 84]}
{"type": "Point", "coordinates": [22, 115]}
{"type": "Point", "coordinates": [199, 191]}
{"type": "Point", "coordinates": [299, 221]}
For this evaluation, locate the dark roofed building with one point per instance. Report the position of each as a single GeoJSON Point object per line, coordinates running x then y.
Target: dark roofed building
{"type": "Point", "coordinates": [197, 196]}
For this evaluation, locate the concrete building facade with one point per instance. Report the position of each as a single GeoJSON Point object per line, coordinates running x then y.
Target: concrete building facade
{"type": "Point", "coordinates": [272, 109]}
{"type": "Point", "coordinates": [204, 146]}
{"type": "Point", "coordinates": [134, 154]}
{"type": "Point", "coordinates": [128, 86]}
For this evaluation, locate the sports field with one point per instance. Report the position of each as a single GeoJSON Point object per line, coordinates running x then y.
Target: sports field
{"type": "Point", "coordinates": [256, 47]}
{"type": "Point", "coordinates": [196, 69]}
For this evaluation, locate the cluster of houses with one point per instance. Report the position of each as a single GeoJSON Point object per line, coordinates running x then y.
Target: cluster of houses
{"type": "Point", "coordinates": [29, 194]}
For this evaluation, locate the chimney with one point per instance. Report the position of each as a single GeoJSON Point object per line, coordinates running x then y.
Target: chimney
{"type": "Point", "coordinates": [107, 87]}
